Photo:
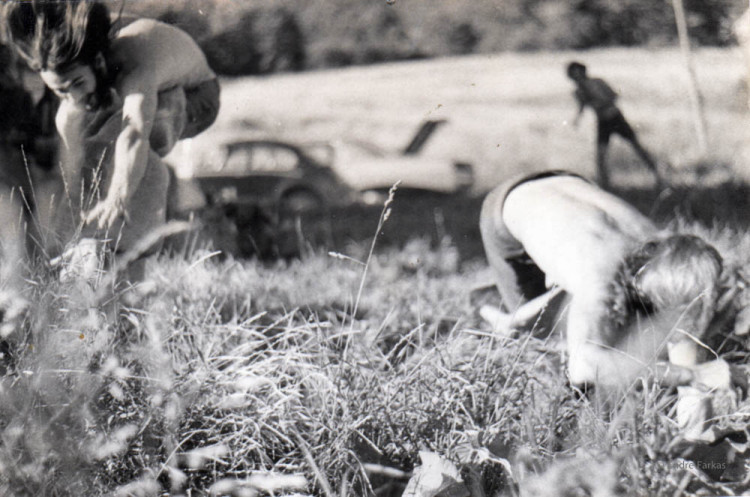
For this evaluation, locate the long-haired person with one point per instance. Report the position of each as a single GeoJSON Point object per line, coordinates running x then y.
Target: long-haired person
{"type": "Point", "coordinates": [129, 89]}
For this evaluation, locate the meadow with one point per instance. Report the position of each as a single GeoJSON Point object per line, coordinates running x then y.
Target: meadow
{"type": "Point", "coordinates": [328, 374]}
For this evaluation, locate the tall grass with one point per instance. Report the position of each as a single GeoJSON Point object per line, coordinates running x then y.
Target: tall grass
{"type": "Point", "coordinates": [308, 376]}
{"type": "Point", "coordinates": [236, 375]}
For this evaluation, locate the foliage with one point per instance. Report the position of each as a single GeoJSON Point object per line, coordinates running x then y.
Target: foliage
{"type": "Point", "coordinates": [260, 36]}
{"type": "Point", "coordinates": [260, 41]}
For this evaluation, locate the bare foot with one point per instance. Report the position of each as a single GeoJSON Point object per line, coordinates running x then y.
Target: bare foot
{"type": "Point", "coordinates": [497, 319]}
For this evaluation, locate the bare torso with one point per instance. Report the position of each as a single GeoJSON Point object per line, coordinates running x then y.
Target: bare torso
{"type": "Point", "coordinates": [577, 234]}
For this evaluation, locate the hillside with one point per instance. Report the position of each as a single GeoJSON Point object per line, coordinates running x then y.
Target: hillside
{"type": "Point", "coordinates": [330, 373]}
{"type": "Point", "coordinates": [506, 112]}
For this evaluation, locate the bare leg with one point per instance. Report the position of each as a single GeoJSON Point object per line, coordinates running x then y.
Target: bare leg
{"type": "Point", "coordinates": [170, 120]}
{"type": "Point", "coordinates": [602, 176]}
{"type": "Point", "coordinates": [647, 159]}
{"type": "Point", "coordinates": [505, 277]}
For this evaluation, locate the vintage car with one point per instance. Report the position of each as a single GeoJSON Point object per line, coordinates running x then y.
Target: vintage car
{"type": "Point", "coordinates": [276, 176]}
{"type": "Point", "coordinates": [280, 176]}
{"type": "Point", "coordinates": [368, 168]}
{"type": "Point", "coordinates": [257, 187]}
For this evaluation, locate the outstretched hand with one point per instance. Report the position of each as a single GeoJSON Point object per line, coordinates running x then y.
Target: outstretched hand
{"type": "Point", "coordinates": [106, 212]}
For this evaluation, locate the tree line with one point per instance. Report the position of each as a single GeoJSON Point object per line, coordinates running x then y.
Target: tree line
{"type": "Point", "coordinates": [266, 36]}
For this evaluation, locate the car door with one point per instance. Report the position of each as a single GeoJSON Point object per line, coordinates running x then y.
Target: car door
{"type": "Point", "coordinates": [256, 172]}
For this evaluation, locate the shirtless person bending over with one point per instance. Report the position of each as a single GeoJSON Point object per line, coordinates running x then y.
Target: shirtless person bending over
{"type": "Point", "coordinates": [138, 84]}
{"type": "Point", "coordinates": [632, 295]}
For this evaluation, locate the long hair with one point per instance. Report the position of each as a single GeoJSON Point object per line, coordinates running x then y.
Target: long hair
{"type": "Point", "coordinates": [52, 34]}
{"type": "Point", "coordinates": [679, 272]}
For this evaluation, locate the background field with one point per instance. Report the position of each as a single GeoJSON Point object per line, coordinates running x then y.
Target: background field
{"type": "Point", "coordinates": [507, 114]}
{"type": "Point", "coordinates": [342, 367]}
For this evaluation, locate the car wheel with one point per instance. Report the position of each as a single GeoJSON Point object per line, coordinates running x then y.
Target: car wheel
{"type": "Point", "coordinates": [302, 223]}
{"type": "Point", "coordinates": [299, 202]}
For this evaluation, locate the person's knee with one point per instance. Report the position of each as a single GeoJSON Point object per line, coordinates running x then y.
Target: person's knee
{"type": "Point", "coordinates": [163, 138]}
{"type": "Point", "coordinates": [170, 120]}
{"type": "Point", "coordinates": [203, 104]}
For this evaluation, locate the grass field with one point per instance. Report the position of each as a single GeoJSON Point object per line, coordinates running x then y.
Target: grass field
{"type": "Point", "coordinates": [506, 112]}
{"type": "Point", "coordinates": [328, 374]}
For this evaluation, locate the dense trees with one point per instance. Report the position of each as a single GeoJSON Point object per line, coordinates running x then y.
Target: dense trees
{"type": "Point", "coordinates": [261, 36]}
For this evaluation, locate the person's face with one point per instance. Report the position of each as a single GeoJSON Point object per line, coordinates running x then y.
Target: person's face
{"type": "Point", "coordinates": [76, 84]}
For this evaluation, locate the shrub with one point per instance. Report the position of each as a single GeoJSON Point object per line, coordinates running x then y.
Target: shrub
{"type": "Point", "coordinates": [190, 21]}
{"type": "Point", "coordinates": [262, 41]}
{"type": "Point", "coordinates": [233, 52]}
{"type": "Point", "coordinates": [463, 38]}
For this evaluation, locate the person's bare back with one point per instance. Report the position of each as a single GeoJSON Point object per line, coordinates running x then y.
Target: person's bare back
{"type": "Point", "coordinates": [591, 232]}
{"type": "Point", "coordinates": [163, 54]}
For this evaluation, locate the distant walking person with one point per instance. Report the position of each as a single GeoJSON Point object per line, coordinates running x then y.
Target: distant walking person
{"type": "Point", "coordinates": [597, 94]}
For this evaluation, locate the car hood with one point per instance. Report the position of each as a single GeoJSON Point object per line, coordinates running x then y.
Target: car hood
{"type": "Point", "coordinates": [412, 172]}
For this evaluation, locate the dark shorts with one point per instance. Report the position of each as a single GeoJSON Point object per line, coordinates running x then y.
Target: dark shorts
{"type": "Point", "coordinates": [616, 124]}
{"type": "Point", "coordinates": [202, 106]}
{"type": "Point", "coordinates": [530, 280]}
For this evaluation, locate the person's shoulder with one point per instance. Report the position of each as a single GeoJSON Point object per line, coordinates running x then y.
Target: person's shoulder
{"type": "Point", "coordinates": [128, 26]}
{"type": "Point", "coordinates": [599, 83]}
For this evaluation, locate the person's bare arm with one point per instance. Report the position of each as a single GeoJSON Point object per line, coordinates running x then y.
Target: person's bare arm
{"type": "Point", "coordinates": [70, 122]}
{"type": "Point", "coordinates": [131, 150]}
{"type": "Point", "coordinates": [581, 107]}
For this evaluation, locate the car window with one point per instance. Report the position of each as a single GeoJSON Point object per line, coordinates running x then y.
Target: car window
{"type": "Point", "coordinates": [261, 158]}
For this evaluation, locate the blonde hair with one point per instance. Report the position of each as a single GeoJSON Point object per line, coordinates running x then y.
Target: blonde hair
{"type": "Point", "coordinates": [678, 272]}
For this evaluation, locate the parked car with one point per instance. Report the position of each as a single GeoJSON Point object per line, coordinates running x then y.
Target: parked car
{"type": "Point", "coordinates": [261, 184]}
{"type": "Point", "coordinates": [276, 176]}
{"type": "Point", "coordinates": [367, 168]}
{"type": "Point", "coordinates": [281, 176]}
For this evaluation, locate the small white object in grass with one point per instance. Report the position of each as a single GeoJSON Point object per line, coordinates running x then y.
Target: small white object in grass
{"type": "Point", "coordinates": [436, 476]}
{"type": "Point", "coordinates": [116, 443]}
{"type": "Point", "coordinates": [582, 475]}
{"type": "Point", "coordinates": [269, 482]}
{"type": "Point", "coordinates": [371, 197]}
{"type": "Point", "coordinates": [14, 307]}
{"type": "Point", "coordinates": [246, 384]}
{"type": "Point", "coordinates": [714, 375]}
{"type": "Point", "coordinates": [197, 458]}
{"type": "Point", "coordinates": [693, 412]}
{"type": "Point", "coordinates": [80, 261]}
{"type": "Point", "coordinates": [684, 353]}
{"type": "Point", "coordinates": [237, 400]}
{"type": "Point", "coordinates": [497, 319]}
{"type": "Point", "coordinates": [142, 487]}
